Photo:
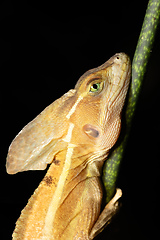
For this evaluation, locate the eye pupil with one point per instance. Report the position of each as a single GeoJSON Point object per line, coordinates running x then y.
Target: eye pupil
{"type": "Point", "coordinates": [95, 86]}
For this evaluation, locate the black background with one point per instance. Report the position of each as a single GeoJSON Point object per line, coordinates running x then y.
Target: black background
{"type": "Point", "coordinates": [45, 48]}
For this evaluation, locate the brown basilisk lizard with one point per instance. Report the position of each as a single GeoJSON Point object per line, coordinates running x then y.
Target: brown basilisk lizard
{"type": "Point", "coordinates": [74, 134]}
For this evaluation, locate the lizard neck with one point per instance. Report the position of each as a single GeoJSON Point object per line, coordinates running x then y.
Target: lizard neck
{"type": "Point", "coordinates": [57, 205]}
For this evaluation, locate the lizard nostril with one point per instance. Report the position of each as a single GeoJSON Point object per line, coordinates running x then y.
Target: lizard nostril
{"type": "Point", "coordinates": [90, 130]}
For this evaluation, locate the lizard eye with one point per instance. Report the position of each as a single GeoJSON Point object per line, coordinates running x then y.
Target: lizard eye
{"type": "Point", "coordinates": [96, 87]}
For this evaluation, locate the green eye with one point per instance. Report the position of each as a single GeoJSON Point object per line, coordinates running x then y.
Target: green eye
{"type": "Point", "coordinates": [96, 87]}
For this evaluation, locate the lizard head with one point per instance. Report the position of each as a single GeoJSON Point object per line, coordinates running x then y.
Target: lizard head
{"type": "Point", "coordinates": [88, 115]}
{"type": "Point", "coordinates": [101, 94]}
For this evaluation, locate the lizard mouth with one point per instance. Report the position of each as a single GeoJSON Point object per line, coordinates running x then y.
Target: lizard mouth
{"type": "Point", "coordinates": [118, 85]}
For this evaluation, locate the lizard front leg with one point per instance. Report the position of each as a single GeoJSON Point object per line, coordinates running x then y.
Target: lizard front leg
{"type": "Point", "coordinates": [107, 214]}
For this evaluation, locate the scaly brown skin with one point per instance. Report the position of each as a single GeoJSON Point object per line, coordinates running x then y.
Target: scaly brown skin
{"type": "Point", "coordinates": [74, 134]}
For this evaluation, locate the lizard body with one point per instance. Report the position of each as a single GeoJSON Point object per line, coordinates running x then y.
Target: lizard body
{"type": "Point", "coordinates": [74, 134]}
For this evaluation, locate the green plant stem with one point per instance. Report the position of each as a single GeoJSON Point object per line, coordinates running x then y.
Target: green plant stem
{"type": "Point", "coordinates": [139, 65]}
